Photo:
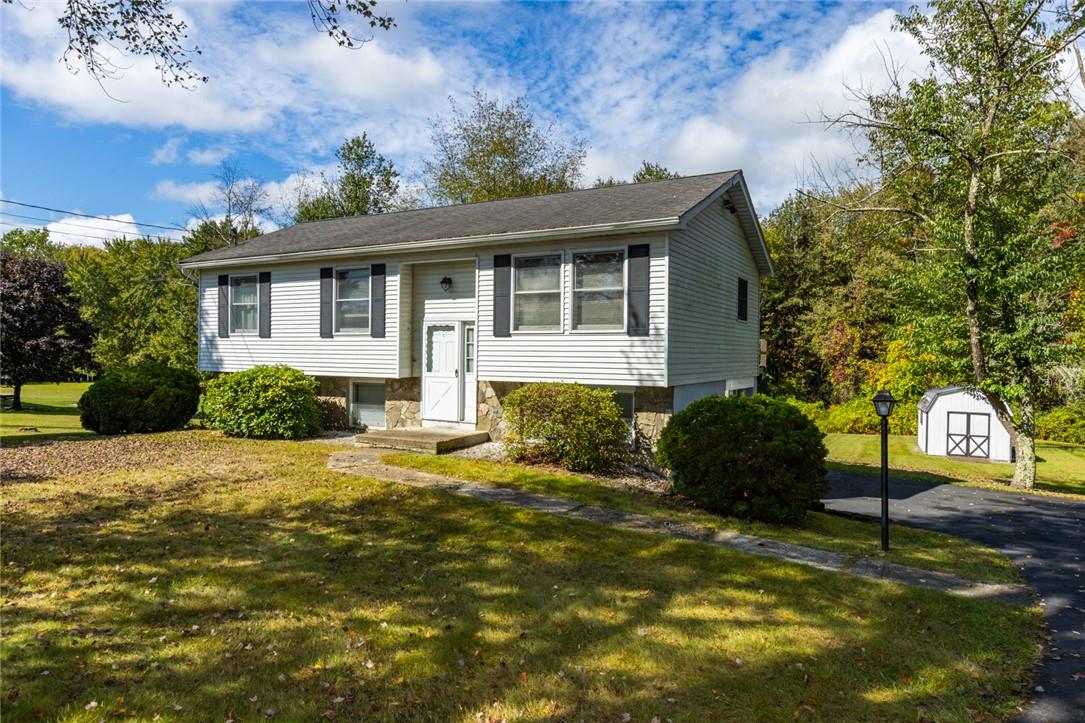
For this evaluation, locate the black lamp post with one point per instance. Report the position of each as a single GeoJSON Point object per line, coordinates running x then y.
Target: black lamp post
{"type": "Point", "coordinates": [883, 405]}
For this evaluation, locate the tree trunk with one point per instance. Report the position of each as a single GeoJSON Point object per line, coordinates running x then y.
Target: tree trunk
{"type": "Point", "coordinates": [1024, 473]}
{"type": "Point", "coordinates": [17, 397]}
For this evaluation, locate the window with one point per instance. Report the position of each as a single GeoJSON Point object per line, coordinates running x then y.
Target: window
{"type": "Point", "coordinates": [599, 290]}
{"type": "Point", "coordinates": [537, 293]}
{"type": "Point", "coordinates": [352, 299]}
{"type": "Point", "coordinates": [469, 349]}
{"type": "Point", "coordinates": [743, 299]}
{"type": "Point", "coordinates": [243, 303]}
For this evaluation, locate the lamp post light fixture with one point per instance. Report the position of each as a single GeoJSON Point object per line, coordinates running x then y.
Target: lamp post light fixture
{"type": "Point", "coordinates": [446, 283]}
{"type": "Point", "coordinates": [883, 405]}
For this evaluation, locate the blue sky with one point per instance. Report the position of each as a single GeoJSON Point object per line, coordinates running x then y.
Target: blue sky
{"type": "Point", "coordinates": [698, 87]}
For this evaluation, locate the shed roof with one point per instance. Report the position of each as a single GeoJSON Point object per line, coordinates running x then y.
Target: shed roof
{"type": "Point", "coordinates": [627, 208]}
{"type": "Point", "coordinates": [927, 400]}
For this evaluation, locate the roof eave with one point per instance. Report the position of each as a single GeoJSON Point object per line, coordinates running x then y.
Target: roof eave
{"type": "Point", "coordinates": [640, 226]}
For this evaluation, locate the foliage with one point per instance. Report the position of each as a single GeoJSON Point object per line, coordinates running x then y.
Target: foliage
{"type": "Point", "coordinates": [857, 416]}
{"type": "Point", "coordinates": [148, 28]}
{"type": "Point", "coordinates": [978, 152]}
{"type": "Point", "coordinates": [1062, 424]}
{"type": "Point", "coordinates": [647, 172]}
{"type": "Point", "coordinates": [29, 242]}
{"type": "Point", "coordinates": [265, 402]}
{"type": "Point", "coordinates": [148, 397]}
{"type": "Point", "coordinates": [752, 457]}
{"type": "Point", "coordinates": [366, 183]}
{"type": "Point", "coordinates": [44, 338]}
{"type": "Point", "coordinates": [577, 427]}
{"type": "Point", "coordinates": [494, 150]}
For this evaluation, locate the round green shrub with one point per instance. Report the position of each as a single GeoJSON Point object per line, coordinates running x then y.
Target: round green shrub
{"type": "Point", "coordinates": [577, 427]}
{"type": "Point", "coordinates": [1062, 424]}
{"type": "Point", "coordinates": [265, 402]}
{"type": "Point", "coordinates": [752, 457]}
{"type": "Point", "coordinates": [147, 397]}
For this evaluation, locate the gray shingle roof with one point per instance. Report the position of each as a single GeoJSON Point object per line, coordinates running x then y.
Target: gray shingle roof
{"type": "Point", "coordinates": [632, 203]}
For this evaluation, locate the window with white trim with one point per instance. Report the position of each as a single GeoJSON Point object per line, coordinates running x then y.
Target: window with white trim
{"type": "Point", "coordinates": [599, 290]}
{"type": "Point", "coordinates": [536, 293]}
{"type": "Point", "coordinates": [244, 307]}
{"type": "Point", "coordinates": [352, 299]}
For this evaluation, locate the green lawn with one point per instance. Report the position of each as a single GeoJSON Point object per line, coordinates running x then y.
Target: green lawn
{"type": "Point", "coordinates": [49, 412]}
{"type": "Point", "coordinates": [190, 577]}
{"type": "Point", "coordinates": [919, 548]}
{"type": "Point", "coordinates": [1060, 467]}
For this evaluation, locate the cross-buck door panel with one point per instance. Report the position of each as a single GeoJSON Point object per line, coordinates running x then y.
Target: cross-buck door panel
{"type": "Point", "coordinates": [968, 434]}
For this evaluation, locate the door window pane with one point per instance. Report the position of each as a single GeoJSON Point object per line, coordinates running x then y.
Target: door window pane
{"type": "Point", "coordinates": [469, 350]}
{"type": "Point", "coordinates": [537, 293]}
{"type": "Point", "coordinates": [243, 310]}
{"type": "Point", "coordinates": [599, 290]}
{"type": "Point", "coordinates": [352, 299]}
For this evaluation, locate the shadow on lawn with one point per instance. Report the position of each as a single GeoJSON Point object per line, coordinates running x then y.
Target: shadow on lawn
{"type": "Point", "coordinates": [460, 606]}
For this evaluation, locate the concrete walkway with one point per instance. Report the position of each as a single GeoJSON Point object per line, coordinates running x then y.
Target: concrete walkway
{"type": "Point", "coordinates": [366, 462]}
{"type": "Point", "coordinates": [1045, 536]}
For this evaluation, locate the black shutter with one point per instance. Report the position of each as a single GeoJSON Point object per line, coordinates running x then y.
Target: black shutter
{"type": "Point", "coordinates": [743, 299]}
{"type": "Point", "coordinates": [224, 306]}
{"type": "Point", "coordinates": [639, 290]}
{"type": "Point", "coordinates": [326, 281]}
{"type": "Point", "coordinates": [376, 303]}
{"type": "Point", "coordinates": [502, 294]}
{"type": "Point", "coordinates": [264, 307]}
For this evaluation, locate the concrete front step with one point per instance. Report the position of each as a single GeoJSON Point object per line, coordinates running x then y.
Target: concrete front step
{"type": "Point", "coordinates": [428, 441]}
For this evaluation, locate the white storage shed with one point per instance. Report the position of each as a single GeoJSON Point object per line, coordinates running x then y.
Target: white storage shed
{"type": "Point", "coordinates": [959, 422]}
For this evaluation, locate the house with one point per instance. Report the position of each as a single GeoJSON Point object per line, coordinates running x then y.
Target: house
{"type": "Point", "coordinates": [959, 422]}
{"type": "Point", "coordinates": [430, 317]}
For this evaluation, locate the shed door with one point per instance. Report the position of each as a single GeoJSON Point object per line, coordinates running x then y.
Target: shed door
{"type": "Point", "coordinates": [969, 434]}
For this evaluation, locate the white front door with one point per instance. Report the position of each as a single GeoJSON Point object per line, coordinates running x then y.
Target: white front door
{"type": "Point", "coordinates": [442, 380]}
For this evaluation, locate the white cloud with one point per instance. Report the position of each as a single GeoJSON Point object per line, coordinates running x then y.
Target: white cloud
{"type": "Point", "coordinates": [190, 193]}
{"type": "Point", "coordinates": [168, 152]}
{"type": "Point", "coordinates": [209, 156]}
{"type": "Point", "coordinates": [79, 231]}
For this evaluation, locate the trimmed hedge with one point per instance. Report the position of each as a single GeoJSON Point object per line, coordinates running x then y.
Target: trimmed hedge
{"type": "Point", "coordinates": [148, 397]}
{"type": "Point", "coordinates": [577, 427]}
{"type": "Point", "coordinates": [1062, 424]}
{"type": "Point", "coordinates": [752, 457]}
{"type": "Point", "coordinates": [265, 402]}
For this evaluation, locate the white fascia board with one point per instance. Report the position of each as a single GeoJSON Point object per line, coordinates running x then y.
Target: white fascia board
{"type": "Point", "coordinates": [656, 224]}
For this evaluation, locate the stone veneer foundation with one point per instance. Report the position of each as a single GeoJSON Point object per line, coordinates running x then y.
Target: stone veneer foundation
{"type": "Point", "coordinates": [403, 403]}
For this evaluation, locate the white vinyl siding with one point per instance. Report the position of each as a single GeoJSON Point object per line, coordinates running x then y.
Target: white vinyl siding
{"type": "Point", "coordinates": [605, 358]}
{"type": "Point", "coordinates": [707, 341]}
{"type": "Point", "coordinates": [295, 328]}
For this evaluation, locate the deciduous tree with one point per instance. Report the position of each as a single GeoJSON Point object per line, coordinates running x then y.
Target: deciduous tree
{"type": "Point", "coordinates": [365, 183]}
{"type": "Point", "coordinates": [497, 150]}
{"type": "Point", "coordinates": [44, 338]}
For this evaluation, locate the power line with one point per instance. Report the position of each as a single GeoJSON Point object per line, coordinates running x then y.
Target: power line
{"type": "Point", "coordinates": [87, 235]}
{"type": "Point", "coordinates": [51, 222]}
{"type": "Point", "coordinates": [87, 215]}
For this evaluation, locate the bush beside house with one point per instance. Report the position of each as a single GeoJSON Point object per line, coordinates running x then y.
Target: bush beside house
{"type": "Point", "coordinates": [577, 427]}
{"type": "Point", "coordinates": [147, 397]}
{"type": "Point", "coordinates": [264, 402]}
{"type": "Point", "coordinates": [753, 457]}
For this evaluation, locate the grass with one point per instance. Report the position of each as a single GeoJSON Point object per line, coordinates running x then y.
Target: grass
{"type": "Point", "coordinates": [193, 577]}
{"type": "Point", "coordinates": [1060, 467]}
{"type": "Point", "coordinates": [919, 548]}
{"type": "Point", "coordinates": [49, 412]}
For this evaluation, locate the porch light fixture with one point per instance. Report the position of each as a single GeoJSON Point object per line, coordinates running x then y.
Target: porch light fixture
{"type": "Point", "coordinates": [883, 406]}
{"type": "Point", "coordinates": [446, 283]}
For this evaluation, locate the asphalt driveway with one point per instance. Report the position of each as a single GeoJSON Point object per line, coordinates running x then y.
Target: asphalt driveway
{"type": "Point", "coordinates": [1045, 536]}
